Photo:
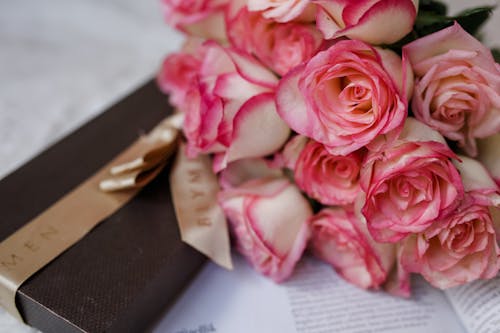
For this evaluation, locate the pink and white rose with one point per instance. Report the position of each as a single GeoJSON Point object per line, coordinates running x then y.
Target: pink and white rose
{"type": "Point", "coordinates": [229, 108]}
{"type": "Point", "coordinates": [281, 10]}
{"type": "Point", "coordinates": [372, 21]}
{"type": "Point", "coordinates": [341, 239]}
{"type": "Point", "coordinates": [268, 217]}
{"type": "Point", "coordinates": [457, 88]}
{"type": "Point", "coordinates": [462, 246]}
{"type": "Point", "coordinates": [346, 96]}
{"type": "Point", "coordinates": [203, 18]}
{"type": "Point", "coordinates": [330, 179]}
{"type": "Point", "coordinates": [179, 72]}
{"type": "Point", "coordinates": [279, 46]}
{"type": "Point", "coordinates": [410, 184]}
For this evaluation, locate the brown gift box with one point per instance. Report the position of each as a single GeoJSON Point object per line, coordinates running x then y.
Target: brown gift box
{"type": "Point", "coordinates": [123, 274]}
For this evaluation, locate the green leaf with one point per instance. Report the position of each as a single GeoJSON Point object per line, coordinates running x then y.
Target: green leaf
{"type": "Point", "coordinates": [432, 18]}
{"type": "Point", "coordinates": [428, 24]}
{"type": "Point", "coordinates": [496, 54]}
{"type": "Point", "coordinates": [433, 7]}
{"type": "Point", "coordinates": [425, 19]}
{"type": "Point", "coordinates": [472, 19]}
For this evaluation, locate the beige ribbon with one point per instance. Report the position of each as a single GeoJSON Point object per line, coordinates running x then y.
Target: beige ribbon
{"type": "Point", "coordinates": [68, 220]}
{"type": "Point", "coordinates": [201, 221]}
{"type": "Point", "coordinates": [145, 161]}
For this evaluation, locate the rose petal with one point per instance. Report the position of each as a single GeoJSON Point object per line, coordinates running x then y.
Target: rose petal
{"type": "Point", "coordinates": [454, 37]}
{"type": "Point", "coordinates": [290, 103]}
{"type": "Point", "coordinates": [377, 25]}
{"type": "Point", "coordinates": [258, 130]}
{"type": "Point", "coordinates": [474, 175]}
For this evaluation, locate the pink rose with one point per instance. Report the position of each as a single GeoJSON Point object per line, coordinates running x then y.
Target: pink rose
{"type": "Point", "coordinates": [330, 179]}
{"type": "Point", "coordinates": [230, 108]}
{"type": "Point", "coordinates": [457, 88]}
{"type": "Point", "coordinates": [279, 46]}
{"type": "Point", "coordinates": [178, 74]}
{"type": "Point", "coordinates": [462, 246]}
{"type": "Point", "coordinates": [281, 10]}
{"type": "Point", "coordinates": [340, 238]}
{"type": "Point", "coordinates": [203, 18]}
{"type": "Point", "coordinates": [372, 21]}
{"type": "Point", "coordinates": [409, 184]}
{"type": "Point", "coordinates": [458, 249]}
{"type": "Point", "coordinates": [346, 96]}
{"type": "Point", "coordinates": [268, 217]}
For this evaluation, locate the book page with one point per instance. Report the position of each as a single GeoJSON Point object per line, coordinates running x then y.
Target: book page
{"type": "Point", "coordinates": [314, 300]}
{"type": "Point", "coordinates": [478, 304]}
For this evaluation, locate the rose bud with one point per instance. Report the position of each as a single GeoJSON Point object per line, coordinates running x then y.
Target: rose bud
{"type": "Point", "coordinates": [278, 46]}
{"type": "Point", "coordinates": [372, 21]}
{"type": "Point", "coordinates": [457, 249]}
{"type": "Point", "coordinates": [330, 179]}
{"type": "Point", "coordinates": [346, 96]}
{"type": "Point", "coordinates": [268, 217]}
{"type": "Point", "coordinates": [341, 239]}
{"type": "Point", "coordinates": [410, 184]}
{"type": "Point", "coordinates": [284, 10]}
{"type": "Point", "coordinates": [229, 107]}
{"type": "Point", "coordinates": [202, 18]}
{"type": "Point", "coordinates": [457, 87]}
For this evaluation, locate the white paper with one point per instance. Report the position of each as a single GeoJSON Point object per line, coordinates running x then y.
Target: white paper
{"type": "Point", "coordinates": [314, 300]}
{"type": "Point", "coordinates": [478, 304]}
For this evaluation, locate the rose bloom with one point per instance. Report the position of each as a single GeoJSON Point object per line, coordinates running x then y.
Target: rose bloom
{"type": "Point", "coordinates": [282, 10]}
{"type": "Point", "coordinates": [330, 179]}
{"type": "Point", "coordinates": [203, 18]}
{"type": "Point", "coordinates": [346, 96]}
{"type": "Point", "coordinates": [179, 72]}
{"type": "Point", "coordinates": [229, 107]}
{"type": "Point", "coordinates": [340, 238]}
{"type": "Point", "coordinates": [410, 184]}
{"type": "Point", "coordinates": [279, 46]}
{"type": "Point", "coordinates": [372, 21]}
{"type": "Point", "coordinates": [458, 249]}
{"type": "Point", "coordinates": [462, 246]}
{"type": "Point", "coordinates": [457, 88]}
{"type": "Point", "coordinates": [268, 217]}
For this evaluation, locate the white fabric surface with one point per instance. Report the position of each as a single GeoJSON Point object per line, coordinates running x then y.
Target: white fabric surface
{"type": "Point", "coordinates": [63, 61]}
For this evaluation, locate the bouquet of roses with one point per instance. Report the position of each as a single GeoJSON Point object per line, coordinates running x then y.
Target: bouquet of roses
{"type": "Point", "coordinates": [364, 130]}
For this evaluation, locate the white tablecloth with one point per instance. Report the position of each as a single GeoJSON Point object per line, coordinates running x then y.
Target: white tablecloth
{"type": "Point", "coordinates": [64, 61]}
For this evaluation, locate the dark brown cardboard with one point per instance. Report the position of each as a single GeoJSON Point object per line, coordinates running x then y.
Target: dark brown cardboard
{"type": "Point", "coordinates": [127, 270]}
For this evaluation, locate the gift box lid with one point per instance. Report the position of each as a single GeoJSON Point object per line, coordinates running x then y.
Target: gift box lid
{"type": "Point", "coordinates": [127, 270]}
